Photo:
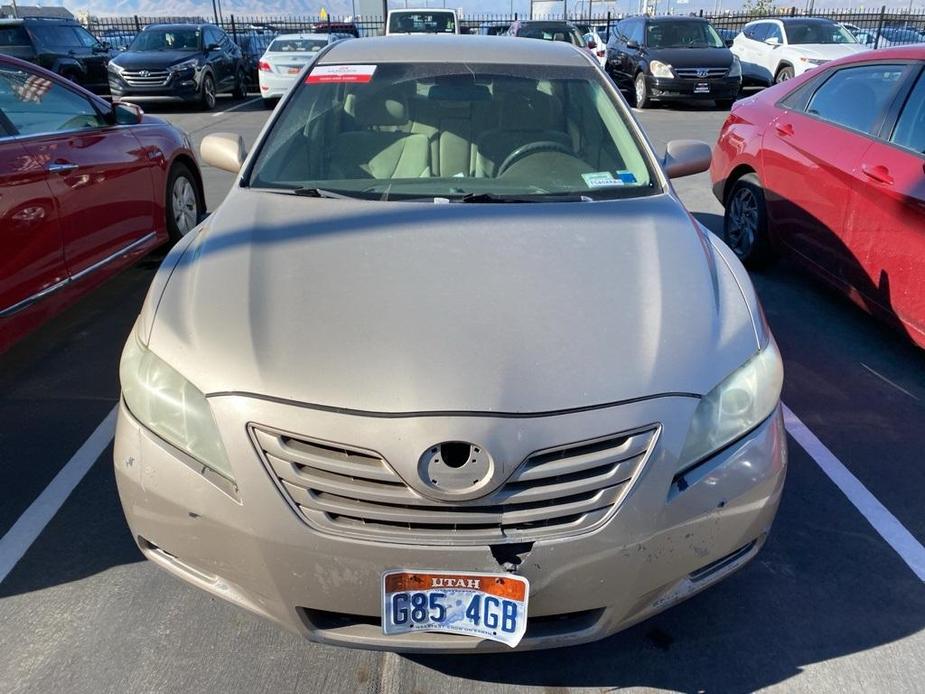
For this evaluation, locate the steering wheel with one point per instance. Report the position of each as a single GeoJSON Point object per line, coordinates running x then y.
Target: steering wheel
{"type": "Point", "coordinates": [531, 148]}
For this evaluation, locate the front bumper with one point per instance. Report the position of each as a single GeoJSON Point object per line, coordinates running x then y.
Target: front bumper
{"type": "Point", "coordinates": [183, 87]}
{"type": "Point", "coordinates": [722, 89]}
{"type": "Point", "coordinates": [671, 537]}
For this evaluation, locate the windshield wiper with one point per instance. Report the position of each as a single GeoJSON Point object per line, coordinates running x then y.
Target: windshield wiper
{"type": "Point", "coordinates": [539, 197]}
{"type": "Point", "coordinates": [310, 192]}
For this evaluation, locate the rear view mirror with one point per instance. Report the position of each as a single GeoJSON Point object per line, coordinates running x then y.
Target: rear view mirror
{"type": "Point", "coordinates": [686, 157]}
{"type": "Point", "coordinates": [223, 151]}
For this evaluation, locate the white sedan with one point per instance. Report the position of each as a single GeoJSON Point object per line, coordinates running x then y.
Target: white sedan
{"type": "Point", "coordinates": [284, 59]}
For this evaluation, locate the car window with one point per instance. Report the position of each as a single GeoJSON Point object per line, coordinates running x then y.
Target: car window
{"type": "Point", "coordinates": [297, 45]}
{"type": "Point", "coordinates": [14, 36]}
{"type": "Point", "coordinates": [773, 32]}
{"type": "Point", "coordinates": [85, 38]}
{"type": "Point", "coordinates": [757, 32]}
{"type": "Point", "coordinates": [34, 104]}
{"type": "Point", "coordinates": [210, 37]}
{"type": "Point", "coordinates": [815, 31]}
{"type": "Point", "coordinates": [434, 22]}
{"type": "Point", "coordinates": [167, 39]}
{"type": "Point", "coordinates": [524, 130]}
{"type": "Point", "coordinates": [855, 97]}
{"type": "Point", "coordinates": [910, 128]}
{"type": "Point", "coordinates": [636, 32]}
{"type": "Point", "coordinates": [60, 35]}
{"type": "Point", "coordinates": [682, 34]}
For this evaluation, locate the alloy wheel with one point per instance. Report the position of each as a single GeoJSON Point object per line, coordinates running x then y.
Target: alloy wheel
{"type": "Point", "coordinates": [185, 207]}
{"type": "Point", "coordinates": [742, 227]}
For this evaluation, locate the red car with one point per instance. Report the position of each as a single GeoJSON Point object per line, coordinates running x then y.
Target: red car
{"type": "Point", "coordinates": [830, 167]}
{"type": "Point", "coordinates": [86, 188]}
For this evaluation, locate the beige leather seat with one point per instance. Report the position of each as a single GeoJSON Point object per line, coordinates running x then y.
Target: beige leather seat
{"type": "Point", "coordinates": [526, 115]}
{"type": "Point", "coordinates": [381, 147]}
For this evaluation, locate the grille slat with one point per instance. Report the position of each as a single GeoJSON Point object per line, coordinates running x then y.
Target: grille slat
{"type": "Point", "coordinates": [700, 73]}
{"type": "Point", "coordinates": [355, 492]}
{"type": "Point", "coordinates": [150, 78]}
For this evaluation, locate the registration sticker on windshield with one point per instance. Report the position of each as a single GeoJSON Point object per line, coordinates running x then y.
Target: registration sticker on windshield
{"type": "Point", "coordinates": [601, 179]}
{"type": "Point", "coordinates": [626, 176]}
{"type": "Point", "coordinates": [323, 74]}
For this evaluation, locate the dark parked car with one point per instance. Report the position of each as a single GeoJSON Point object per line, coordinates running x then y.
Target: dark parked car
{"type": "Point", "coordinates": [59, 45]}
{"type": "Point", "coordinates": [672, 58]}
{"type": "Point", "coordinates": [118, 39]}
{"type": "Point", "coordinates": [548, 31]}
{"type": "Point", "coordinates": [190, 62]}
{"type": "Point", "coordinates": [87, 187]}
{"type": "Point", "coordinates": [336, 28]}
{"type": "Point", "coordinates": [252, 47]}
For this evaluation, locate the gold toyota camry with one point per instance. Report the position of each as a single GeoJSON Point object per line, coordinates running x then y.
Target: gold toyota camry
{"type": "Point", "coordinates": [451, 368]}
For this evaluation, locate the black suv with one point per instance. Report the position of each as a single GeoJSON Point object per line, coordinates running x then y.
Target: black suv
{"type": "Point", "coordinates": [671, 58]}
{"type": "Point", "coordinates": [60, 45]}
{"type": "Point", "coordinates": [191, 62]}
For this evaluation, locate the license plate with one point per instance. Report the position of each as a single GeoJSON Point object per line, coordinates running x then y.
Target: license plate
{"type": "Point", "coordinates": [294, 70]}
{"type": "Point", "coordinates": [487, 606]}
{"type": "Point", "coordinates": [702, 88]}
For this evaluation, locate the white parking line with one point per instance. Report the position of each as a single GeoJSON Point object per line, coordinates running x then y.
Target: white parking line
{"type": "Point", "coordinates": [32, 522]}
{"type": "Point", "coordinates": [885, 523]}
{"type": "Point", "coordinates": [235, 108]}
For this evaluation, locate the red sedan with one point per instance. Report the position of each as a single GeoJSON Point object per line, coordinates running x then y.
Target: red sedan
{"type": "Point", "coordinates": [830, 167]}
{"type": "Point", "coordinates": [86, 188]}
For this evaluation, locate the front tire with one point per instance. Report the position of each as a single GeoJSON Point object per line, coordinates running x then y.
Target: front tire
{"type": "Point", "coordinates": [784, 74]}
{"type": "Point", "coordinates": [184, 202]}
{"type": "Point", "coordinates": [745, 222]}
{"type": "Point", "coordinates": [207, 93]}
{"type": "Point", "coordinates": [641, 91]}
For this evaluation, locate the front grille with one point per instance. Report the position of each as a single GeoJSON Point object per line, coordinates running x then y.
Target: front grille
{"type": "Point", "coordinates": [355, 492]}
{"type": "Point", "coordinates": [145, 78]}
{"type": "Point", "coordinates": [700, 73]}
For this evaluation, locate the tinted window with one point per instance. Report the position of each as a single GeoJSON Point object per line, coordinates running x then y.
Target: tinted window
{"type": "Point", "coordinates": [85, 38]}
{"type": "Point", "coordinates": [297, 45]}
{"type": "Point", "coordinates": [57, 36]}
{"type": "Point", "coordinates": [910, 129]}
{"type": "Point", "coordinates": [14, 36]}
{"type": "Point", "coordinates": [686, 34]}
{"type": "Point", "coordinates": [758, 32]}
{"type": "Point", "coordinates": [422, 23]}
{"type": "Point", "coordinates": [855, 97]}
{"type": "Point", "coordinates": [169, 39]}
{"type": "Point", "coordinates": [815, 31]}
{"type": "Point", "coordinates": [774, 32]}
{"type": "Point", "coordinates": [34, 104]}
{"type": "Point", "coordinates": [636, 32]}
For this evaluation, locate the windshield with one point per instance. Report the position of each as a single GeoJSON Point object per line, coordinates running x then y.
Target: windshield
{"type": "Point", "coordinates": [803, 32]}
{"type": "Point", "coordinates": [552, 32]}
{"type": "Point", "coordinates": [682, 35]}
{"type": "Point", "coordinates": [422, 23]}
{"type": "Point", "coordinates": [167, 40]}
{"type": "Point", "coordinates": [425, 131]}
{"type": "Point", "coordinates": [297, 45]}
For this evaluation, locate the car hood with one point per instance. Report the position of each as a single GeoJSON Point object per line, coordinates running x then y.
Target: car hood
{"type": "Point", "coordinates": [692, 57]}
{"type": "Point", "coordinates": [409, 307]}
{"type": "Point", "coordinates": [828, 51]}
{"type": "Point", "coordinates": [151, 60]}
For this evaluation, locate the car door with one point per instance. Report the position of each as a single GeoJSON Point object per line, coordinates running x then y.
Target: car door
{"type": "Point", "coordinates": [99, 174]}
{"type": "Point", "coordinates": [808, 156]}
{"type": "Point", "coordinates": [93, 56]}
{"type": "Point", "coordinates": [886, 229]}
{"type": "Point", "coordinates": [31, 245]}
{"type": "Point", "coordinates": [772, 49]}
{"type": "Point", "coordinates": [218, 58]}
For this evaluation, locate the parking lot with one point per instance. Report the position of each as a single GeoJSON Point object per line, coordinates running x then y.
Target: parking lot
{"type": "Point", "coordinates": [828, 606]}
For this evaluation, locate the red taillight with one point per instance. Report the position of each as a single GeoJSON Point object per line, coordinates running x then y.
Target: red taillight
{"type": "Point", "coordinates": [265, 66]}
{"type": "Point", "coordinates": [601, 54]}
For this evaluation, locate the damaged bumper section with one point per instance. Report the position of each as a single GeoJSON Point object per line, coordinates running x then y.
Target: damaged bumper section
{"type": "Point", "coordinates": [592, 508]}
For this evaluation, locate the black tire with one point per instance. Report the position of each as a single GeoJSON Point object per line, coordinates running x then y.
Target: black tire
{"type": "Point", "coordinates": [240, 86]}
{"type": "Point", "coordinates": [641, 92]}
{"type": "Point", "coordinates": [784, 74]}
{"type": "Point", "coordinates": [184, 202]}
{"type": "Point", "coordinates": [724, 104]}
{"type": "Point", "coordinates": [207, 93]}
{"type": "Point", "coordinates": [745, 222]}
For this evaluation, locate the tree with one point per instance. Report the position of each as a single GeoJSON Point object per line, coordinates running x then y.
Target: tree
{"type": "Point", "coordinates": [760, 7]}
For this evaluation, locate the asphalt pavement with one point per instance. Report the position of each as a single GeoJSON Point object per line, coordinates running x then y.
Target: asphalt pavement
{"type": "Point", "coordinates": [828, 606]}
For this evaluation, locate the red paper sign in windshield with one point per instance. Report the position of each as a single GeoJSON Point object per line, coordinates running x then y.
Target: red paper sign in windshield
{"type": "Point", "coordinates": [324, 74]}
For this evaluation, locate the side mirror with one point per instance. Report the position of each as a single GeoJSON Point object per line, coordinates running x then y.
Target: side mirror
{"type": "Point", "coordinates": [686, 157]}
{"type": "Point", "coordinates": [213, 47]}
{"type": "Point", "coordinates": [632, 44]}
{"type": "Point", "coordinates": [223, 151]}
{"type": "Point", "coordinates": [101, 47]}
{"type": "Point", "coordinates": [126, 114]}
{"type": "Point", "coordinates": [772, 41]}
{"type": "Point", "coordinates": [729, 43]}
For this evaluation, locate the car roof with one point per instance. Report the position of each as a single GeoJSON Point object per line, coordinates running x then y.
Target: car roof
{"type": "Point", "coordinates": [464, 49]}
{"type": "Point", "coordinates": [674, 18]}
{"type": "Point", "coordinates": [179, 25]}
{"type": "Point", "coordinates": [303, 35]}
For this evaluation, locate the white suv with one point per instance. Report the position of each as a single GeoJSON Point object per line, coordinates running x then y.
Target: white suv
{"type": "Point", "coordinates": [774, 50]}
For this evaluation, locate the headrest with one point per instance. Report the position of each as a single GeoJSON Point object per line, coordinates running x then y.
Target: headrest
{"type": "Point", "coordinates": [380, 108]}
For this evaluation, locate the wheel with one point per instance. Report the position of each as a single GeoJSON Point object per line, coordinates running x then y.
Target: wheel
{"type": "Point", "coordinates": [745, 222]}
{"type": "Point", "coordinates": [642, 92]}
{"type": "Point", "coordinates": [784, 74]}
{"type": "Point", "coordinates": [240, 86]}
{"type": "Point", "coordinates": [724, 104]}
{"type": "Point", "coordinates": [183, 202]}
{"type": "Point", "coordinates": [207, 93]}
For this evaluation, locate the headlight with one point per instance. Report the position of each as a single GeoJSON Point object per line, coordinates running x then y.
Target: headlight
{"type": "Point", "coordinates": [162, 400]}
{"type": "Point", "coordinates": [736, 406]}
{"type": "Point", "coordinates": [185, 65]}
{"type": "Point", "coordinates": [813, 61]}
{"type": "Point", "coordinates": [736, 69]}
{"type": "Point", "coordinates": [660, 69]}
{"type": "Point", "coordinates": [115, 67]}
